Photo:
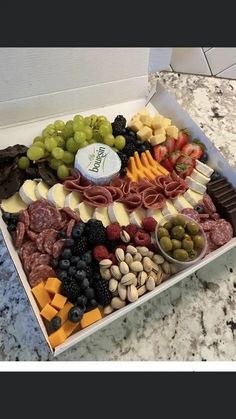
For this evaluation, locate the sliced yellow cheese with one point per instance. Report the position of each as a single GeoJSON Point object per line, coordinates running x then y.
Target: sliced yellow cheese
{"type": "Point", "coordinates": [118, 214]}
{"type": "Point", "coordinates": [13, 204]}
{"type": "Point", "coordinates": [27, 191]}
{"type": "Point", "coordinates": [41, 190]}
{"type": "Point", "coordinates": [192, 197]}
{"type": "Point", "coordinates": [146, 120]}
{"type": "Point", "coordinates": [57, 195]}
{"type": "Point", "coordinates": [181, 203]}
{"type": "Point", "coordinates": [157, 121]}
{"type": "Point", "coordinates": [172, 131]}
{"type": "Point", "coordinates": [73, 199]}
{"type": "Point", "coordinates": [155, 213]}
{"type": "Point", "coordinates": [135, 125]}
{"type": "Point", "coordinates": [101, 214]}
{"type": "Point", "coordinates": [169, 208]}
{"type": "Point", "coordinates": [157, 139]}
{"type": "Point", "coordinates": [166, 123]}
{"type": "Point", "coordinates": [85, 211]}
{"type": "Point", "coordinates": [137, 216]}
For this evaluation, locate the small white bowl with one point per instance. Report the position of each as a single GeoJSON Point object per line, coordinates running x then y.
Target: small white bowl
{"type": "Point", "coordinates": [168, 257]}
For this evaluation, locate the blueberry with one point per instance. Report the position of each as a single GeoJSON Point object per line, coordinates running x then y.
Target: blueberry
{"type": "Point", "coordinates": [78, 230]}
{"type": "Point", "coordinates": [87, 257]}
{"type": "Point", "coordinates": [81, 264]}
{"type": "Point", "coordinates": [61, 274]}
{"type": "Point", "coordinates": [147, 145]}
{"type": "Point", "coordinates": [204, 157]}
{"type": "Point", "coordinates": [89, 292]}
{"type": "Point", "coordinates": [75, 314]}
{"type": "Point", "coordinates": [80, 275]}
{"type": "Point", "coordinates": [66, 254]}
{"type": "Point", "coordinates": [69, 243]}
{"type": "Point", "coordinates": [55, 323]}
{"type": "Point", "coordinates": [200, 209]}
{"type": "Point", "coordinates": [85, 283]}
{"type": "Point", "coordinates": [72, 271]}
{"type": "Point", "coordinates": [6, 216]}
{"type": "Point", "coordinates": [139, 143]}
{"type": "Point", "coordinates": [61, 235]}
{"type": "Point", "coordinates": [54, 263]}
{"type": "Point", "coordinates": [82, 301]}
{"type": "Point", "coordinates": [11, 227]}
{"type": "Point", "coordinates": [142, 148]}
{"type": "Point", "coordinates": [215, 176]}
{"type": "Point", "coordinates": [74, 260]}
{"type": "Point", "coordinates": [93, 303]}
{"type": "Point", "coordinates": [64, 264]}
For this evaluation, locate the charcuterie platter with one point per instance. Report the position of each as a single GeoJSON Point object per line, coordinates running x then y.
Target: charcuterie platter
{"type": "Point", "coordinates": [104, 213]}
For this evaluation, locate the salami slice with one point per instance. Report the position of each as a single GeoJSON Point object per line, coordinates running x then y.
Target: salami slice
{"type": "Point", "coordinates": [42, 259]}
{"type": "Point", "coordinates": [129, 187]}
{"type": "Point", "coordinates": [40, 241]}
{"type": "Point", "coordinates": [72, 214]}
{"type": "Point", "coordinates": [50, 237]}
{"type": "Point", "coordinates": [222, 233]}
{"type": "Point", "coordinates": [153, 199]}
{"type": "Point", "coordinates": [98, 196]}
{"type": "Point", "coordinates": [70, 227]}
{"type": "Point", "coordinates": [144, 184]}
{"type": "Point", "coordinates": [215, 216]}
{"type": "Point", "coordinates": [20, 233]}
{"type": "Point", "coordinates": [210, 245]}
{"type": "Point", "coordinates": [208, 225]}
{"type": "Point", "coordinates": [41, 219]}
{"type": "Point", "coordinates": [40, 273]}
{"type": "Point", "coordinates": [132, 201]}
{"type": "Point", "coordinates": [78, 183]}
{"type": "Point", "coordinates": [208, 204]}
{"type": "Point", "coordinates": [57, 248]}
{"type": "Point", "coordinates": [116, 193]}
{"type": "Point", "coordinates": [27, 249]}
{"type": "Point", "coordinates": [24, 218]}
{"type": "Point", "coordinates": [204, 217]}
{"type": "Point", "coordinates": [191, 213]}
{"type": "Point", "coordinates": [31, 235]}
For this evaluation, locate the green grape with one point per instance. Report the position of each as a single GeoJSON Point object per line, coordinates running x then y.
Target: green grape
{"type": "Point", "coordinates": [50, 143]}
{"type": "Point", "coordinates": [35, 153]}
{"type": "Point", "coordinates": [101, 119]}
{"type": "Point", "coordinates": [36, 139]}
{"type": "Point", "coordinates": [54, 163]}
{"type": "Point", "coordinates": [93, 120]}
{"type": "Point", "coordinates": [68, 131]}
{"type": "Point", "coordinates": [96, 136]}
{"type": "Point", "coordinates": [58, 153]}
{"type": "Point", "coordinates": [23, 163]}
{"type": "Point", "coordinates": [39, 144]}
{"type": "Point", "coordinates": [85, 144]}
{"type": "Point", "coordinates": [68, 157]}
{"type": "Point", "coordinates": [60, 141]}
{"type": "Point", "coordinates": [80, 137]}
{"type": "Point", "coordinates": [78, 125]}
{"type": "Point", "coordinates": [59, 125]}
{"type": "Point", "coordinates": [120, 142]}
{"type": "Point", "coordinates": [50, 129]}
{"type": "Point", "coordinates": [109, 140]}
{"type": "Point", "coordinates": [87, 120]}
{"type": "Point", "coordinates": [78, 118]}
{"type": "Point", "coordinates": [105, 129]}
{"type": "Point", "coordinates": [88, 132]}
{"type": "Point", "coordinates": [63, 172]}
{"type": "Point", "coordinates": [71, 145]}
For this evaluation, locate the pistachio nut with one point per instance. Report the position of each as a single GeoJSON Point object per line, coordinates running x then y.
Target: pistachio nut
{"type": "Point", "coordinates": [117, 303]}
{"type": "Point", "coordinates": [120, 254]}
{"type": "Point", "coordinates": [115, 272]}
{"type": "Point", "coordinates": [105, 274]}
{"type": "Point", "coordinates": [150, 283]}
{"type": "Point", "coordinates": [128, 258]}
{"type": "Point", "coordinates": [128, 279]}
{"type": "Point", "coordinates": [108, 310]}
{"type": "Point", "coordinates": [131, 249]}
{"type": "Point", "coordinates": [142, 290]}
{"type": "Point", "coordinates": [122, 291]}
{"type": "Point", "coordinates": [125, 237]}
{"type": "Point", "coordinates": [132, 293]}
{"type": "Point", "coordinates": [124, 268]}
{"type": "Point", "coordinates": [113, 284]}
{"type": "Point", "coordinates": [158, 259]}
{"type": "Point", "coordinates": [138, 257]}
{"type": "Point", "coordinates": [136, 266]}
{"type": "Point", "coordinates": [142, 276]}
{"type": "Point", "coordinates": [147, 264]}
{"type": "Point", "coordinates": [143, 250]}
{"type": "Point", "coordinates": [105, 263]}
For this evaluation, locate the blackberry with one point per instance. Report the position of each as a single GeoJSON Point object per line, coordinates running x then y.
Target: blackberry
{"type": "Point", "coordinates": [89, 272]}
{"type": "Point", "coordinates": [96, 233]}
{"type": "Point", "coordinates": [102, 293]}
{"type": "Point", "coordinates": [118, 125]}
{"type": "Point", "coordinates": [70, 289]}
{"type": "Point", "coordinates": [112, 244]}
{"type": "Point", "coordinates": [80, 247]}
{"type": "Point", "coordinates": [124, 159]}
{"type": "Point", "coordinates": [147, 145]}
{"type": "Point", "coordinates": [129, 149]}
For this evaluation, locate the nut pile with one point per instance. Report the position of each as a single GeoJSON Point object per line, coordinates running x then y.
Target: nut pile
{"type": "Point", "coordinates": [139, 270]}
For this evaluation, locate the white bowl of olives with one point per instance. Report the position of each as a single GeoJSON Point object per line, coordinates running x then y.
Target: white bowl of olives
{"type": "Point", "coordinates": [181, 240]}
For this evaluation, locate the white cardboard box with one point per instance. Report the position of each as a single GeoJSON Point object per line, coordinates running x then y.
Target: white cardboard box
{"type": "Point", "coordinates": [15, 131]}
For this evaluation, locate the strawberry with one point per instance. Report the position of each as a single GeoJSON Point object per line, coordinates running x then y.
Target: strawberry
{"type": "Point", "coordinates": [183, 139]}
{"type": "Point", "coordinates": [167, 165]}
{"type": "Point", "coordinates": [159, 152]}
{"type": "Point", "coordinates": [170, 144]}
{"type": "Point", "coordinates": [174, 157]}
{"type": "Point", "coordinates": [184, 166]}
{"type": "Point", "coordinates": [193, 150]}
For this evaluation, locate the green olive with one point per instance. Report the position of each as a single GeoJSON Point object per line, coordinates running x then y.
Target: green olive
{"type": "Point", "coordinates": [192, 227]}
{"type": "Point", "coordinates": [179, 220]}
{"type": "Point", "coordinates": [193, 254]}
{"type": "Point", "coordinates": [198, 241]}
{"type": "Point", "coordinates": [162, 232]}
{"type": "Point", "coordinates": [187, 236]}
{"type": "Point", "coordinates": [166, 243]}
{"type": "Point", "coordinates": [168, 225]}
{"type": "Point", "coordinates": [180, 254]}
{"type": "Point", "coordinates": [177, 232]}
{"type": "Point", "coordinates": [187, 244]}
{"type": "Point", "coordinates": [176, 244]}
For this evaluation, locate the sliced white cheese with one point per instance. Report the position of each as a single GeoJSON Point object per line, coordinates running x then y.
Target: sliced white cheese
{"type": "Point", "coordinates": [192, 197]}
{"type": "Point", "coordinates": [135, 124]}
{"type": "Point", "coordinates": [27, 191]}
{"type": "Point", "coordinates": [199, 177]}
{"type": "Point", "coordinates": [169, 209]}
{"type": "Point", "coordinates": [181, 203]}
{"type": "Point", "coordinates": [157, 139]}
{"type": "Point", "coordinates": [155, 213]}
{"type": "Point", "coordinates": [41, 190]}
{"type": "Point", "coordinates": [166, 122]}
{"type": "Point", "coordinates": [137, 216]}
{"type": "Point", "coordinates": [57, 195]}
{"type": "Point", "coordinates": [204, 168]}
{"type": "Point", "coordinates": [85, 211]}
{"type": "Point", "coordinates": [144, 133]}
{"type": "Point", "coordinates": [73, 199]}
{"type": "Point", "coordinates": [157, 121]}
{"type": "Point", "coordinates": [101, 214]}
{"type": "Point", "coordinates": [172, 131]}
{"type": "Point", "coordinates": [146, 120]}
{"type": "Point", "coordinates": [13, 204]}
{"type": "Point", "coordinates": [195, 186]}
{"type": "Point", "coordinates": [118, 214]}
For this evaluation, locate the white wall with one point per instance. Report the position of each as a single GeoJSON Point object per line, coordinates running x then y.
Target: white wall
{"type": "Point", "coordinates": [26, 72]}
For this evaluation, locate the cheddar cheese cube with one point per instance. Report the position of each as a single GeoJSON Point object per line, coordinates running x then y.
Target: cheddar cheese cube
{"type": "Point", "coordinates": [53, 285]}
{"type": "Point", "coordinates": [90, 317]}
{"type": "Point", "coordinates": [63, 313]}
{"type": "Point", "coordinates": [58, 301]}
{"type": "Point", "coordinates": [41, 295]}
{"type": "Point", "coordinates": [145, 133]}
{"type": "Point", "coordinates": [58, 337]}
{"type": "Point", "coordinates": [48, 312]}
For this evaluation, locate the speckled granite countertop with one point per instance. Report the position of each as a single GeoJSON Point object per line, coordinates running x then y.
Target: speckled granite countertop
{"type": "Point", "coordinates": [194, 320]}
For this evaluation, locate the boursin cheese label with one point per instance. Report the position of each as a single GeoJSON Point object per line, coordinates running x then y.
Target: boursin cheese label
{"type": "Point", "coordinates": [98, 163]}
